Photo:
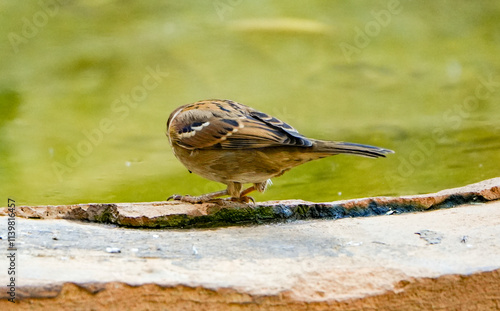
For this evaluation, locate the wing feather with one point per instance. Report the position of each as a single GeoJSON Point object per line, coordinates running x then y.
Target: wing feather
{"type": "Point", "coordinates": [229, 125]}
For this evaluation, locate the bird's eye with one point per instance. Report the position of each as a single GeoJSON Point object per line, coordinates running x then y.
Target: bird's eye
{"type": "Point", "coordinates": [185, 129]}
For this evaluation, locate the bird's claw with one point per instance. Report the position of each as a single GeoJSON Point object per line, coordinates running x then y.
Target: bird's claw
{"type": "Point", "coordinates": [243, 199]}
{"type": "Point", "coordinates": [200, 199]}
{"type": "Point", "coordinates": [186, 198]}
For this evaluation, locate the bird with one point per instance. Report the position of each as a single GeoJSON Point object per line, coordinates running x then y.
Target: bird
{"type": "Point", "coordinates": [234, 144]}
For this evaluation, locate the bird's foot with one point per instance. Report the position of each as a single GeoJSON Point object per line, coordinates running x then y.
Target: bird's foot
{"type": "Point", "coordinates": [204, 198]}
{"type": "Point", "coordinates": [242, 199]}
{"type": "Point", "coordinates": [209, 198]}
{"type": "Point", "coordinates": [185, 198]}
{"type": "Point", "coordinates": [194, 199]}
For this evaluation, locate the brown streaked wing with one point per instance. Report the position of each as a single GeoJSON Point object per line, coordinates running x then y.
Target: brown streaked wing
{"type": "Point", "coordinates": [230, 125]}
{"type": "Point", "coordinates": [260, 130]}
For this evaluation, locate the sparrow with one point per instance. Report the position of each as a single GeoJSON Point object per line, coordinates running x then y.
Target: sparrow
{"type": "Point", "coordinates": [234, 144]}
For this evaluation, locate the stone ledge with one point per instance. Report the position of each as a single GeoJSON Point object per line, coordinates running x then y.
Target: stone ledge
{"type": "Point", "coordinates": [384, 262]}
{"type": "Point", "coordinates": [184, 215]}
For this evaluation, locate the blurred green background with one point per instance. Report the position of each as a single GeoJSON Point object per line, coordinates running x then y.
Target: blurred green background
{"type": "Point", "coordinates": [87, 86]}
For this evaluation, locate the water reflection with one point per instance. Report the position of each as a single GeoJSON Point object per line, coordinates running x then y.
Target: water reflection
{"type": "Point", "coordinates": [82, 117]}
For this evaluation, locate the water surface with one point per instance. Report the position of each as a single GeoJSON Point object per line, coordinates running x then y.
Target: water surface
{"type": "Point", "coordinates": [87, 86]}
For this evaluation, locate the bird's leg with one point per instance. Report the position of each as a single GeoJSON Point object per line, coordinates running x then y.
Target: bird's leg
{"type": "Point", "coordinates": [247, 191]}
{"type": "Point", "coordinates": [243, 195]}
{"type": "Point", "coordinates": [199, 199]}
{"type": "Point", "coordinates": [261, 187]}
{"type": "Point", "coordinates": [233, 190]}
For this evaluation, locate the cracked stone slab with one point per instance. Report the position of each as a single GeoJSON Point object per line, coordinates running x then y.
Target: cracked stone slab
{"type": "Point", "coordinates": [184, 215]}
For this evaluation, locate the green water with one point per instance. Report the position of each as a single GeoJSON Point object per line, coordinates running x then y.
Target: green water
{"type": "Point", "coordinates": [87, 86]}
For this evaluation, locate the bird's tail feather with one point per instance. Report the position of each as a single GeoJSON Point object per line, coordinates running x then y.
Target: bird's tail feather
{"type": "Point", "coordinates": [337, 147]}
